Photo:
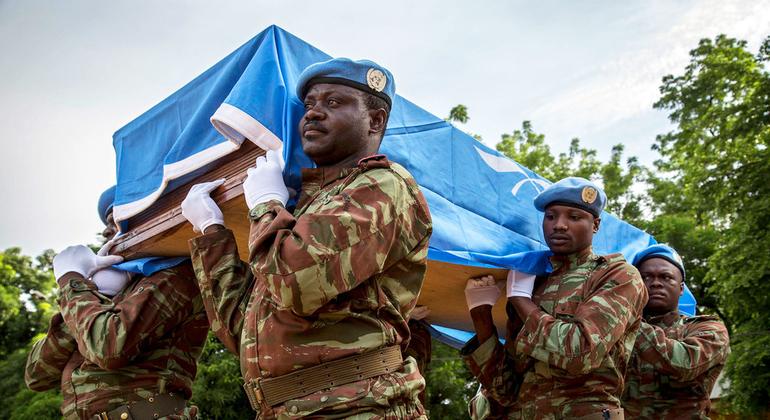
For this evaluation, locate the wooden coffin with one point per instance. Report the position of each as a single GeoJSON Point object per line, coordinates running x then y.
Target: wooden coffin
{"type": "Point", "coordinates": [161, 230]}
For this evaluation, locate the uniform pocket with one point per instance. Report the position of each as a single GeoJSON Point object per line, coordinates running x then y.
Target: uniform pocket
{"type": "Point", "coordinates": [338, 401]}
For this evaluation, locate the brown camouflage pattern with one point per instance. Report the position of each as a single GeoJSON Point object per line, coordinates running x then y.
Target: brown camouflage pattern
{"type": "Point", "coordinates": [570, 356]}
{"type": "Point", "coordinates": [337, 277]}
{"type": "Point", "coordinates": [107, 352]}
{"type": "Point", "coordinates": [675, 364]}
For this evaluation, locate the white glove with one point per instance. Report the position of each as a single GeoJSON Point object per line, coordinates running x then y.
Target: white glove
{"type": "Point", "coordinates": [519, 284]}
{"type": "Point", "coordinates": [265, 182]}
{"type": "Point", "coordinates": [105, 249]}
{"type": "Point", "coordinates": [199, 209]}
{"type": "Point", "coordinates": [80, 259]}
{"type": "Point", "coordinates": [482, 291]}
{"type": "Point", "coordinates": [110, 280]}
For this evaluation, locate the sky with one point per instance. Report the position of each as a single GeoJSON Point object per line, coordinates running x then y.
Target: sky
{"type": "Point", "coordinates": [72, 73]}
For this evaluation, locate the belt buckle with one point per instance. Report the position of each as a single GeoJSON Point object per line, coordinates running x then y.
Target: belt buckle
{"type": "Point", "coordinates": [255, 395]}
{"type": "Point", "coordinates": [260, 397]}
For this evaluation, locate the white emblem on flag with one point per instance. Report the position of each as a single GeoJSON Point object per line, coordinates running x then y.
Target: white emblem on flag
{"type": "Point", "coordinates": [503, 164]}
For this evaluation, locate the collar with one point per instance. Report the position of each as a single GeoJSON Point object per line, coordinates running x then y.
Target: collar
{"type": "Point", "coordinates": [315, 179]}
{"type": "Point", "coordinates": [566, 262]}
{"type": "Point", "coordinates": [668, 319]}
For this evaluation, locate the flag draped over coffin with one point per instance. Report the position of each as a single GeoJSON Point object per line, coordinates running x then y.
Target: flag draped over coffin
{"type": "Point", "coordinates": [480, 201]}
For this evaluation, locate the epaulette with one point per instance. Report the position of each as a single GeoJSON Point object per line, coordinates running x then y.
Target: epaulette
{"type": "Point", "coordinates": [374, 162]}
{"type": "Point", "coordinates": [613, 258]}
{"type": "Point", "coordinates": [704, 317]}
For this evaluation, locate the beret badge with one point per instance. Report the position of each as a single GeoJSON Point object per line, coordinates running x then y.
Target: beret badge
{"type": "Point", "coordinates": [376, 79]}
{"type": "Point", "coordinates": [588, 195]}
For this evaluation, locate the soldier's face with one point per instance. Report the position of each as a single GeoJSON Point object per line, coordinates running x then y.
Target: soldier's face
{"type": "Point", "coordinates": [567, 229]}
{"type": "Point", "coordinates": [336, 124]}
{"type": "Point", "coordinates": [663, 281]}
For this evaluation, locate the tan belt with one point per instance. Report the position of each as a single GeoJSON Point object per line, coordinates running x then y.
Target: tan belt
{"type": "Point", "coordinates": [160, 405]}
{"type": "Point", "coordinates": [606, 414]}
{"type": "Point", "coordinates": [269, 392]}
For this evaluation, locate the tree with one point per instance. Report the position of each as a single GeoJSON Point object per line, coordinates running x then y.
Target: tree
{"type": "Point", "coordinates": [719, 159]}
{"type": "Point", "coordinates": [450, 385]}
{"type": "Point", "coordinates": [530, 149]}
{"type": "Point", "coordinates": [218, 390]}
{"type": "Point", "coordinates": [459, 114]}
{"type": "Point", "coordinates": [26, 298]}
{"type": "Point", "coordinates": [26, 304]}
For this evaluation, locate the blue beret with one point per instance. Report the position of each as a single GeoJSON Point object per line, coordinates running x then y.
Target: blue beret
{"type": "Point", "coordinates": [573, 192]}
{"type": "Point", "coordinates": [660, 251]}
{"type": "Point", "coordinates": [105, 203]}
{"type": "Point", "coordinates": [363, 75]}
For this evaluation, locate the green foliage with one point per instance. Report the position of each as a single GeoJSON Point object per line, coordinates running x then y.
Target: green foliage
{"type": "Point", "coordinates": [26, 303]}
{"type": "Point", "coordinates": [26, 297]}
{"type": "Point", "coordinates": [450, 385]}
{"type": "Point", "coordinates": [459, 114]}
{"type": "Point", "coordinates": [19, 402]}
{"type": "Point", "coordinates": [718, 157]}
{"type": "Point", "coordinates": [30, 405]}
{"type": "Point", "coordinates": [530, 149]}
{"type": "Point", "coordinates": [218, 390]}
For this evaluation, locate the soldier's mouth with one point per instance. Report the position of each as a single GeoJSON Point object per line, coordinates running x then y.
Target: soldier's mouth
{"type": "Point", "coordinates": [559, 238]}
{"type": "Point", "coordinates": [313, 129]}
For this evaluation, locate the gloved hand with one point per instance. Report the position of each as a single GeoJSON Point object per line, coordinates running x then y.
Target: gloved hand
{"type": "Point", "coordinates": [265, 182]}
{"type": "Point", "coordinates": [111, 280]}
{"type": "Point", "coordinates": [198, 207]}
{"type": "Point", "coordinates": [80, 259]}
{"type": "Point", "coordinates": [105, 249]}
{"type": "Point", "coordinates": [482, 291]}
{"type": "Point", "coordinates": [519, 284]}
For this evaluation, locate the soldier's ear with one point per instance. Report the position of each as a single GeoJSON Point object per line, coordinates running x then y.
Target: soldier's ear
{"type": "Point", "coordinates": [597, 222]}
{"type": "Point", "coordinates": [378, 120]}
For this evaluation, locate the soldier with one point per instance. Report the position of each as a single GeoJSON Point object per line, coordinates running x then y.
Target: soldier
{"type": "Point", "coordinates": [570, 334]}
{"type": "Point", "coordinates": [677, 358]}
{"type": "Point", "coordinates": [319, 314]}
{"type": "Point", "coordinates": [122, 346]}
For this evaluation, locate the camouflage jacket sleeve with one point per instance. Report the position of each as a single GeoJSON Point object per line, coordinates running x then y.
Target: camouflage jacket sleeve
{"type": "Point", "coordinates": [706, 344]}
{"type": "Point", "coordinates": [495, 370]}
{"type": "Point", "coordinates": [111, 333]}
{"type": "Point", "coordinates": [225, 282]}
{"type": "Point", "coordinates": [578, 343]}
{"type": "Point", "coordinates": [49, 356]}
{"type": "Point", "coordinates": [371, 224]}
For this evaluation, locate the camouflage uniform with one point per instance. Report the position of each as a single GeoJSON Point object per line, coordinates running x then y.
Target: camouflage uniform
{"type": "Point", "coordinates": [675, 363]}
{"type": "Point", "coordinates": [106, 352]}
{"type": "Point", "coordinates": [569, 357]}
{"type": "Point", "coordinates": [337, 278]}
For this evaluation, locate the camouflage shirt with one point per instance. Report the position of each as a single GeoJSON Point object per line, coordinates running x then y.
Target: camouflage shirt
{"type": "Point", "coordinates": [106, 352]}
{"type": "Point", "coordinates": [569, 357]}
{"type": "Point", "coordinates": [675, 363]}
{"type": "Point", "coordinates": [338, 277]}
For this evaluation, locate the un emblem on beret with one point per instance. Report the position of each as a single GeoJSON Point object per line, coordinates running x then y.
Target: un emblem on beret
{"type": "Point", "coordinates": [376, 79]}
{"type": "Point", "coordinates": [588, 195]}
